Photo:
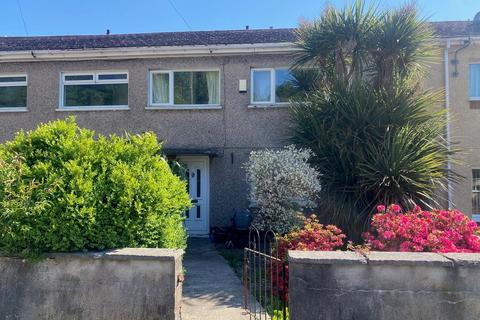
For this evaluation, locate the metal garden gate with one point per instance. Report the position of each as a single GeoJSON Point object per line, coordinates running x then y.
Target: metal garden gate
{"type": "Point", "coordinates": [264, 277]}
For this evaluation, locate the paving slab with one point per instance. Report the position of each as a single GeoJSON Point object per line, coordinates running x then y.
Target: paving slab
{"type": "Point", "coordinates": [211, 289]}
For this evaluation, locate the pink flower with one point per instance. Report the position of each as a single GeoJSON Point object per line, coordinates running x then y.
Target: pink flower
{"type": "Point", "coordinates": [417, 230]}
{"type": "Point", "coordinates": [395, 208]}
{"type": "Point", "coordinates": [381, 208]}
{"type": "Point", "coordinates": [388, 235]}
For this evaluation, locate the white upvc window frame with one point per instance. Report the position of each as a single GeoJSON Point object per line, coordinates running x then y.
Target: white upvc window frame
{"type": "Point", "coordinates": [95, 80]}
{"type": "Point", "coordinates": [170, 105]}
{"type": "Point", "coordinates": [273, 89]}
{"type": "Point", "coordinates": [475, 217]}
{"type": "Point", "coordinates": [14, 84]}
{"type": "Point", "coordinates": [469, 75]}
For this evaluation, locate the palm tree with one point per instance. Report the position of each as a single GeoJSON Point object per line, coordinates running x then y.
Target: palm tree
{"type": "Point", "coordinates": [376, 134]}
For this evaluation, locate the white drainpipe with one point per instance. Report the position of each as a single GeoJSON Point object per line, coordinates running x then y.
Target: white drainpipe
{"type": "Point", "coordinates": [447, 108]}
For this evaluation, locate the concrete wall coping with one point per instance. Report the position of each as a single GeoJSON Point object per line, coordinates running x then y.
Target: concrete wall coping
{"type": "Point", "coordinates": [449, 260]}
{"type": "Point", "coordinates": [158, 254]}
{"type": "Point", "coordinates": [464, 259]}
{"type": "Point", "coordinates": [326, 257]}
{"type": "Point", "coordinates": [407, 258]}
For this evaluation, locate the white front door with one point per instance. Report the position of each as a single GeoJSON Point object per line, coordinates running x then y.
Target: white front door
{"type": "Point", "coordinates": [197, 218]}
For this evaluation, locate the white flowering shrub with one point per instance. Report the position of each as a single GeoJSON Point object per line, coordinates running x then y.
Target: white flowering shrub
{"type": "Point", "coordinates": [281, 185]}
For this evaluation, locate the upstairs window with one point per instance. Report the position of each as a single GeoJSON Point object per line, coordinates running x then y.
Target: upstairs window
{"type": "Point", "coordinates": [271, 86]}
{"type": "Point", "coordinates": [97, 90]}
{"type": "Point", "coordinates": [13, 92]}
{"type": "Point", "coordinates": [184, 88]}
{"type": "Point", "coordinates": [474, 82]}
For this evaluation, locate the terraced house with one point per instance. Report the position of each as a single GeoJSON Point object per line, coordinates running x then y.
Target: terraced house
{"type": "Point", "coordinates": [212, 97]}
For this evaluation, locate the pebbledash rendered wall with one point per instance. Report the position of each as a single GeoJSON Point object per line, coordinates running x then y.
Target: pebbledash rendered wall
{"type": "Point", "coordinates": [125, 284]}
{"type": "Point", "coordinates": [383, 285]}
{"type": "Point", "coordinates": [232, 131]}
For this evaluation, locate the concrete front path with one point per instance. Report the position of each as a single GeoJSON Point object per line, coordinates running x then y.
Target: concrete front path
{"type": "Point", "coordinates": [211, 289]}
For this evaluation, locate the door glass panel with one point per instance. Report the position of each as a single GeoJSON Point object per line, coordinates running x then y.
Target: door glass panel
{"type": "Point", "coordinates": [199, 215]}
{"type": "Point", "coordinates": [198, 183]}
{"type": "Point", "coordinates": [187, 214]}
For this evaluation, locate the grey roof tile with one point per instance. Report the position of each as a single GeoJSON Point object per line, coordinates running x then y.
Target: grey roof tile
{"type": "Point", "coordinates": [206, 38]}
{"type": "Point", "coordinates": [147, 40]}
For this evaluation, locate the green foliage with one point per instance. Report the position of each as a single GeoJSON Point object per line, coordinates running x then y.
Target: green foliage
{"type": "Point", "coordinates": [377, 137]}
{"type": "Point", "coordinates": [178, 168]}
{"type": "Point", "coordinates": [62, 189]}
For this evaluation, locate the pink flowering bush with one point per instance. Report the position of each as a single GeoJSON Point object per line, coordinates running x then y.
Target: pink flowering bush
{"type": "Point", "coordinates": [422, 231]}
{"type": "Point", "coordinates": [313, 236]}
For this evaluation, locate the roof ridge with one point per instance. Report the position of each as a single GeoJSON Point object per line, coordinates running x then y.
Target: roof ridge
{"type": "Point", "coordinates": [145, 33]}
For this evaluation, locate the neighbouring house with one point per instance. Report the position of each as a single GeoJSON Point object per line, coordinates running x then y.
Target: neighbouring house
{"type": "Point", "coordinates": [213, 96]}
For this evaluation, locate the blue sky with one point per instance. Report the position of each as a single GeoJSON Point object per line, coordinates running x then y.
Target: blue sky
{"type": "Point", "coordinates": [50, 17]}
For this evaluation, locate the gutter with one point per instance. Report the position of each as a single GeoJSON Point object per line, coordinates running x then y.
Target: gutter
{"type": "Point", "coordinates": [145, 52]}
{"type": "Point", "coordinates": [447, 109]}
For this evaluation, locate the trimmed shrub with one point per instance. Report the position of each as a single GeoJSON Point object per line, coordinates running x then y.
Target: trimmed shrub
{"type": "Point", "coordinates": [62, 189]}
{"type": "Point", "coordinates": [281, 184]}
{"type": "Point", "coordinates": [422, 231]}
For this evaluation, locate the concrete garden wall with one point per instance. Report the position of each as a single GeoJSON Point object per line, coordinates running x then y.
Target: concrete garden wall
{"type": "Point", "coordinates": [383, 285]}
{"type": "Point", "coordinates": [119, 285]}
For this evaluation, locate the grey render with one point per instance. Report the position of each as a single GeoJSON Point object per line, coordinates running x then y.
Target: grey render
{"type": "Point", "coordinates": [228, 133]}
{"type": "Point", "coordinates": [125, 284]}
{"type": "Point", "coordinates": [232, 131]}
{"type": "Point", "coordinates": [383, 286]}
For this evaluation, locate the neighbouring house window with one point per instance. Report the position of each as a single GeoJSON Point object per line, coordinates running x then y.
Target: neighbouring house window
{"type": "Point", "coordinates": [185, 88]}
{"type": "Point", "coordinates": [476, 194]}
{"type": "Point", "coordinates": [474, 82]}
{"type": "Point", "coordinates": [271, 86]}
{"type": "Point", "coordinates": [13, 91]}
{"type": "Point", "coordinates": [105, 89]}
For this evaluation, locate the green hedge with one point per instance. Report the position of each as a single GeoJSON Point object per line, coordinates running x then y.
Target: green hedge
{"type": "Point", "coordinates": [64, 188]}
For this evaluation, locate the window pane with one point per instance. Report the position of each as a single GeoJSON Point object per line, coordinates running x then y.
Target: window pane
{"type": "Point", "coordinates": [197, 87]}
{"type": "Point", "coordinates": [96, 95]}
{"type": "Point", "coordinates": [475, 80]}
{"type": "Point", "coordinates": [476, 180]}
{"type": "Point", "coordinates": [12, 97]}
{"type": "Point", "coordinates": [261, 86]}
{"type": "Point", "coordinates": [284, 85]}
{"type": "Point", "coordinates": [80, 77]}
{"type": "Point", "coordinates": [13, 79]}
{"type": "Point", "coordinates": [119, 76]}
{"type": "Point", "coordinates": [476, 191]}
{"type": "Point", "coordinates": [160, 87]}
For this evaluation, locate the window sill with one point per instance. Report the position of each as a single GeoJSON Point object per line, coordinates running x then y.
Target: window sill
{"type": "Point", "coordinates": [94, 108]}
{"type": "Point", "coordinates": [14, 109]}
{"type": "Point", "coordinates": [268, 105]}
{"type": "Point", "coordinates": [474, 104]}
{"type": "Point", "coordinates": [192, 107]}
